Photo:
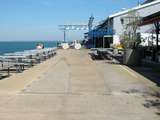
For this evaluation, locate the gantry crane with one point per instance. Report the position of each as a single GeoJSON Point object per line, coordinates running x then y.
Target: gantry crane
{"type": "Point", "coordinates": [89, 27]}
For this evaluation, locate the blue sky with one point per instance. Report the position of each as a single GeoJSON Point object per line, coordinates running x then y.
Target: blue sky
{"type": "Point", "coordinates": [39, 19]}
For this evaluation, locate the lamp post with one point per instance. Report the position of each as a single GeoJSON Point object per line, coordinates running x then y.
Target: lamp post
{"type": "Point", "coordinates": [64, 35]}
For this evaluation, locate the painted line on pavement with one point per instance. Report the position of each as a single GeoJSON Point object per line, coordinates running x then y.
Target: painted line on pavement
{"type": "Point", "coordinates": [130, 72]}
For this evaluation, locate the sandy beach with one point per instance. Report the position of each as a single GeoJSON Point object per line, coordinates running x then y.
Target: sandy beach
{"type": "Point", "coordinates": [71, 86]}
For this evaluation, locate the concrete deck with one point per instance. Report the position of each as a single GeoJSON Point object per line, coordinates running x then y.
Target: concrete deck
{"type": "Point", "coordinates": [73, 87]}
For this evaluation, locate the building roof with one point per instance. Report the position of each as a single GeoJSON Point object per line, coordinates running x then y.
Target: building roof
{"type": "Point", "coordinates": [135, 8]}
{"type": "Point", "coordinates": [151, 19]}
{"type": "Point", "coordinates": [104, 22]}
{"type": "Point", "coordinates": [148, 1]}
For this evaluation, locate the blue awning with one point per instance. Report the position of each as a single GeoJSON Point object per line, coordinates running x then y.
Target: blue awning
{"type": "Point", "coordinates": [100, 33]}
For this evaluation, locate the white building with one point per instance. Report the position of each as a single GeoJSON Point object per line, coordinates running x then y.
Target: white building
{"type": "Point", "coordinates": [143, 11]}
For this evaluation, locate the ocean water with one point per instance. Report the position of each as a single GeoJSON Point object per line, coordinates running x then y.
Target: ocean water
{"type": "Point", "coordinates": [14, 46]}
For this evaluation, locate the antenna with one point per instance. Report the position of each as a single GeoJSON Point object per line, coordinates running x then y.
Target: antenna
{"type": "Point", "coordinates": [90, 22]}
{"type": "Point", "coordinates": [139, 2]}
